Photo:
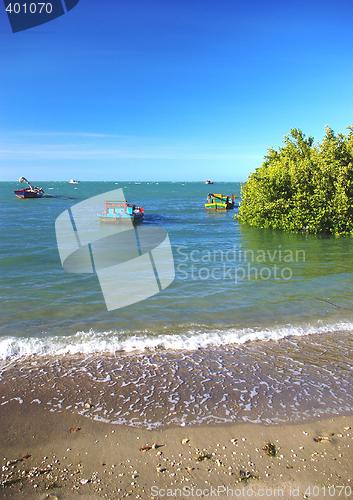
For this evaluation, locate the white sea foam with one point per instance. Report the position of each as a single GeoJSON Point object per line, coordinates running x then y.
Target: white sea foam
{"type": "Point", "coordinates": [110, 342]}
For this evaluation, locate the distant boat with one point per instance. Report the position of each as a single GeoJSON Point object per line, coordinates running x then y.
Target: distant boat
{"type": "Point", "coordinates": [30, 191]}
{"type": "Point", "coordinates": [209, 181]}
{"type": "Point", "coordinates": [120, 211]}
{"type": "Point", "coordinates": [74, 181]}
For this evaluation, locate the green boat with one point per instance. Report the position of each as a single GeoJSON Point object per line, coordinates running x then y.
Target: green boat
{"type": "Point", "coordinates": [220, 202]}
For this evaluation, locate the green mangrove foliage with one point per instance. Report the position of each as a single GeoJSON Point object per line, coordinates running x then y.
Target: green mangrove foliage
{"type": "Point", "coordinates": [303, 186]}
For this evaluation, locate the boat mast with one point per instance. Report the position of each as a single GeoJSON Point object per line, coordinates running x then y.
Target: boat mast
{"type": "Point", "coordinates": [23, 179]}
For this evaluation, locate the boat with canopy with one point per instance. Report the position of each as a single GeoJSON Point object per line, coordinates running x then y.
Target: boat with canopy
{"type": "Point", "coordinates": [217, 201]}
{"type": "Point", "coordinates": [120, 211]}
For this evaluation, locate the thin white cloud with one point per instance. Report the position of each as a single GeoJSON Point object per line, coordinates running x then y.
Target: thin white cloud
{"type": "Point", "coordinates": [68, 134]}
{"type": "Point", "coordinates": [72, 145]}
{"type": "Point", "coordinates": [45, 152]}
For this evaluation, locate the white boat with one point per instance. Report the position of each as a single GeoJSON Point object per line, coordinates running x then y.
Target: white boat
{"type": "Point", "coordinates": [209, 181]}
{"type": "Point", "coordinates": [73, 181]}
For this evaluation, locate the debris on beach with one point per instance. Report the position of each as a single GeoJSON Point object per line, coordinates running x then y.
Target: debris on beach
{"type": "Point", "coordinates": [147, 447]}
{"type": "Point", "coordinates": [185, 441]}
{"type": "Point", "coordinates": [160, 468]}
{"type": "Point", "coordinates": [9, 482]}
{"type": "Point", "coordinates": [319, 439]}
{"type": "Point", "coordinates": [153, 446]}
{"type": "Point", "coordinates": [203, 455]}
{"type": "Point", "coordinates": [74, 429]}
{"type": "Point", "coordinates": [245, 475]}
{"type": "Point", "coordinates": [270, 449]}
{"type": "Point", "coordinates": [17, 460]}
{"type": "Point", "coordinates": [85, 481]}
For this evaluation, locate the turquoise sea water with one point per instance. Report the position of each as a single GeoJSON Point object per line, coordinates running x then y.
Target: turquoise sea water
{"type": "Point", "coordinates": [256, 325]}
{"type": "Point", "coordinates": [241, 288]}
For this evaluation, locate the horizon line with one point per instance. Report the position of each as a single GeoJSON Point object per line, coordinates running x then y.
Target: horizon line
{"type": "Point", "coordinates": [128, 180]}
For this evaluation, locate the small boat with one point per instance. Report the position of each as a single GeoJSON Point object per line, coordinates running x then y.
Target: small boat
{"type": "Point", "coordinates": [74, 181]}
{"type": "Point", "coordinates": [209, 181]}
{"type": "Point", "coordinates": [220, 202]}
{"type": "Point", "coordinates": [30, 191]}
{"type": "Point", "coordinates": [120, 211]}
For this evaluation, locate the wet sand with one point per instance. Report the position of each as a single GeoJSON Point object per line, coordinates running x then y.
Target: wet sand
{"type": "Point", "coordinates": [274, 382]}
{"type": "Point", "coordinates": [61, 455]}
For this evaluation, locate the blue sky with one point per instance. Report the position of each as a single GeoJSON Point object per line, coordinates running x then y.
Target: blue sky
{"type": "Point", "coordinates": [170, 89]}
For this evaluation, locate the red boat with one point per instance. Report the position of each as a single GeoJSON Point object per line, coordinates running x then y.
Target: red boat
{"type": "Point", "coordinates": [30, 191]}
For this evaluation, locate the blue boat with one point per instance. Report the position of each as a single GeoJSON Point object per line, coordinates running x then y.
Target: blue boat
{"type": "Point", "coordinates": [120, 211]}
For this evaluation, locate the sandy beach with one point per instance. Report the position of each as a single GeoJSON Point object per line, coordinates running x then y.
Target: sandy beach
{"type": "Point", "coordinates": [60, 455]}
{"type": "Point", "coordinates": [176, 251]}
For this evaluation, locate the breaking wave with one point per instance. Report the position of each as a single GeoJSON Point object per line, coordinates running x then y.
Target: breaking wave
{"type": "Point", "coordinates": [92, 342]}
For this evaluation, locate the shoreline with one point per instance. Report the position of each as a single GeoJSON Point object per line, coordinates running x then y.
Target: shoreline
{"type": "Point", "coordinates": [275, 382]}
{"type": "Point", "coordinates": [190, 338]}
{"type": "Point", "coordinates": [62, 455]}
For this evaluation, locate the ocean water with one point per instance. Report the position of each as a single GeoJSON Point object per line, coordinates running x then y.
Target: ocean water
{"type": "Point", "coordinates": [256, 325]}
